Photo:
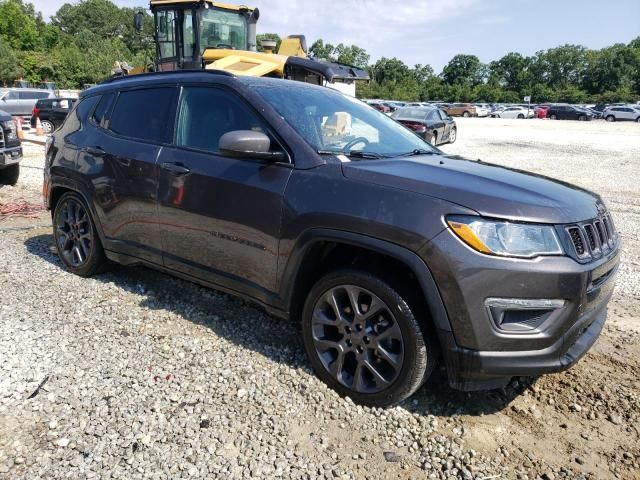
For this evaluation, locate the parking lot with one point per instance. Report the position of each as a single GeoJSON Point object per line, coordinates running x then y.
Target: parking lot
{"type": "Point", "coordinates": [135, 374]}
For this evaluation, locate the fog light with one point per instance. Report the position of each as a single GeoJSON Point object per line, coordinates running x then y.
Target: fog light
{"type": "Point", "coordinates": [522, 314]}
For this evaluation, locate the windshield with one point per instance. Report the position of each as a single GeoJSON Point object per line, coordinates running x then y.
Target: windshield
{"type": "Point", "coordinates": [330, 121]}
{"type": "Point", "coordinates": [222, 29]}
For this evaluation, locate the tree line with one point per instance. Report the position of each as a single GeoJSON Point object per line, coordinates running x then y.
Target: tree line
{"type": "Point", "coordinates": [82, 40]}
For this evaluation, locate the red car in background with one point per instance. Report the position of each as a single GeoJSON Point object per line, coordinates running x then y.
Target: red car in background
{"type": "Point", "coordinates": [381, 107]}
{"type": "Point", "coordinates": [541, 111]}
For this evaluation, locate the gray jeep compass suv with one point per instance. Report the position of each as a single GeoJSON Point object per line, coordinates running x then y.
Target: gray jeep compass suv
{"type": "Point", "coordinates": [392, 255]}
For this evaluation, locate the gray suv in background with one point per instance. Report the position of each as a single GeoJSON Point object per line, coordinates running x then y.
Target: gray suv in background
{"type": "Point", "coordinates": [392, 255]}
{"type": "Point", "coordinates": [20, 101]}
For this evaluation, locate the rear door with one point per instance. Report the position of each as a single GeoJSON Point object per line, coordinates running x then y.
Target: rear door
{"type": "Point", "coordinates": [131, 128]}
{"type": "Point", "coordinates": [220, 216]}
{"type": "Point", "coordinates": [11, 103]}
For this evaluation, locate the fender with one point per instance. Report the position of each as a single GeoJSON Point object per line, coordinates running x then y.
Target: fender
{"type": "Point", "coordinates": [407, 257]}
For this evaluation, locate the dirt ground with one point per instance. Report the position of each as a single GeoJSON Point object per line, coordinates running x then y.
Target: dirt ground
{"type": "Point", "coordinates": [583, 423]}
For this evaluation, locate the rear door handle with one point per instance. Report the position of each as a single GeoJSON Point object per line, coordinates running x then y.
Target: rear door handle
{"type": "Point", "coordinates": [175, 168]}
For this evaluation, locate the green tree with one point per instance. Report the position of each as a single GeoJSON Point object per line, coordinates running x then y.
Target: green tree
{"type": "Point", "coordinates": [9, 66]}
{"type": "Point", "coordinates": [267, 36]}
{"type": "Point", "coordinates": [464, 69]}
{"type": "Point", "coordinates": [17, 27]}
{"type": "Point", "coordinates": [511, 71]}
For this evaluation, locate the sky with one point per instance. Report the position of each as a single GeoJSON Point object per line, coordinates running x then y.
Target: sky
{"type": "Point", "coordinates": [433, 31]}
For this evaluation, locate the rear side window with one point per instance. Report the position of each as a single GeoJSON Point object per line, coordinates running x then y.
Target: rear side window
{"type": "Point", "coordinates": [76, 117]}
{"type": "Point", "coordinates": [102, 109]}
{"type": "Point", "coordinates": [144, 114]}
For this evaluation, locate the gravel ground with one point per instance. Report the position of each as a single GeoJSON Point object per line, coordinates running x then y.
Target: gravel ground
{"type": "Point", "coordinates": [134, 374]}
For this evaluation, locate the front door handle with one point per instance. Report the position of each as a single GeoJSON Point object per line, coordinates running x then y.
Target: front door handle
{"type": "Point", "coordinates": [175, 168]}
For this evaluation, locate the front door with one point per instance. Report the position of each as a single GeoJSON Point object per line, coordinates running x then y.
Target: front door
{"type": "Point", "coordinates": [220, 216]}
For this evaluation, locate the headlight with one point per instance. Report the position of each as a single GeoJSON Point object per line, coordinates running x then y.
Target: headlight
{"type": "Point", "coordinates": [10, 126]}
{"type": "Point", "coordinates": [499, 237]}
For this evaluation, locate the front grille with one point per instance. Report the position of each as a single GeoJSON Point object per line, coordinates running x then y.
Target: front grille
{"type": "Point", "coordinates": [592, 238]}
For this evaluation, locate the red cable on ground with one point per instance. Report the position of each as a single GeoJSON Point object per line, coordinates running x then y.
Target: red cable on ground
{"type": "Point", "coordinates": [20, 209]}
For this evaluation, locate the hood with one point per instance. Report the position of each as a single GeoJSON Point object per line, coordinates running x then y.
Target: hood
{"type": "Point", "coordinates": [491, 190]}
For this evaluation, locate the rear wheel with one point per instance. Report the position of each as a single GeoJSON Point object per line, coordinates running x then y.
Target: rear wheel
{"type": "Point", "coordinates": [453, 135]}
{"type": "Point", "coordinates": [638, 119]}
{"type": "Point", "coordinates": [9, 175]}
{"type": "Point", "coordinates": [363, 339]}
{"type": "Point", "coordinates": [47, 126]}
{"type": "Point", "coordinates": [610, 118]}
{"type": "Point", "coordinates": [76, 237]}
{"type": "Point", "coordinates": [434, 139]}
{"type": "Point", "coordinates": [466, 114]}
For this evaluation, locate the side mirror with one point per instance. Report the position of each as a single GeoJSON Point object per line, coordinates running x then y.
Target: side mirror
{"type": "Point", "coordinates": [138, 21]}
{"type": "Point", "coordinates": [248, 144]}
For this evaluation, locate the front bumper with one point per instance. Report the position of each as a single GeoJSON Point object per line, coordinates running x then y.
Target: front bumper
{"type": "Point", "coordinates": [10, 156]}
{"type": "Point", "coordinates": [478, 353]}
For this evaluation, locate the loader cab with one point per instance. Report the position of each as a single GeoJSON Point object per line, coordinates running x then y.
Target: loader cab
{"type": "Point", "coordinates": [183, 30]}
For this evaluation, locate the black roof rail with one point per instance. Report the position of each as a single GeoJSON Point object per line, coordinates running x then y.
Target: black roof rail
{"type": "Point", "coordinates": [153, 74]}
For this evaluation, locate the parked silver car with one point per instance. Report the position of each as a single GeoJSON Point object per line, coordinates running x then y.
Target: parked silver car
{"type": "Point", "coordinates": [20, 101]}
{"type": "Point", "coordinates": [623, 112]}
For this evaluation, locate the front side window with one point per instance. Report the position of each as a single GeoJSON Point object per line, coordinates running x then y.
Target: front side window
{"type": "Point", "coordinates": [144, 114]}
{"type": "Point", "coordinates": [208, 113]}
{"type": "Point", "coordinates": [313, 111]}
{"type": "Point", "coordinates": [222, 29]}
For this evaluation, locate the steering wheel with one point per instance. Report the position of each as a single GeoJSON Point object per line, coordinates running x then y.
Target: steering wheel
{"type": "Point", "coordinates": [354, 142]}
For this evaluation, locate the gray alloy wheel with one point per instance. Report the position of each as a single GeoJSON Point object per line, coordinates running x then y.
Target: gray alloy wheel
{"type": "Point", "coordinates": [357, 339]}
{"type": "Point", "coordinates": [520, 115]}
{"type": "Point", "coordinates": [553, 117]}
{"type": "Point", "coordinates": [47, 127]}
{"type": "Point", "coordinates": [73, 232]}
{"type": "Point", "coordinates": [453, 134]}
{"type": "Point", "coordinates": [466, 114]}
{"type": "Point", "coordinates": [582, 118]}
{"type": "Point", "coordinates": [610, 118]}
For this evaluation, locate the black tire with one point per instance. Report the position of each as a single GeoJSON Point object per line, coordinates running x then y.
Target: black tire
{"type": "Point", "coordinates": [610, 118]}
{"type": "Point", "coordinates": [9, 175]}
{"type": "Point", "coordinates": [79, 246]}
{"type": "Point", "coordinates": [553, 117]}
{"type": "Point", "coordinates": [638, 119]}
{"type": "Point", "coordinates": [466, 114]}
{"type": "Point", "coordinates": [520, 116]}
{"type": "Point", "coordinates": [582, 118]}
{"type": "Point", "coordinates": [417, 350]}
{"type": "Point", "coordinates": [434, 139]}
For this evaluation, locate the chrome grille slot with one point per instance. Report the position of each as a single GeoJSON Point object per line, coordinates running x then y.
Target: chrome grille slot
{"type": "Point", "coordinates": [578, 241]}
{"type": "Point", "coordinates": [591, 237]}
{"type": "Point", "coordinates": [602, 235]}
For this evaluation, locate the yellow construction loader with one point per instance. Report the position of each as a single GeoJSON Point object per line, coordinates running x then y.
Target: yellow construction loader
{"type": "Point", "coordinates": [206, 34]}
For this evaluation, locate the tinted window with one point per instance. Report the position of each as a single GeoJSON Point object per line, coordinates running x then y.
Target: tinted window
{"type": "Point", "coordinates": [73, 120]}
{"type": "Point", "coordinates": [144, 114]}
{"type": "Point", "coordinates": [443, 115]}
{"type": "Point", "coordinates": [103, 107]}
{"type": "Point", "coordinates": [208, 113]}
{"type": "Point", "coordinates": [12, 95]}
{"type": "Point", "coordinates": [433, 115]}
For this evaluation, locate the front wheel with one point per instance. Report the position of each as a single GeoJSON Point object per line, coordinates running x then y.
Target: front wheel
{"type": "Point", "coordinates": [610, 118]}
{"type": "Point", "coordinates": [638, 119]}
{"type": "Point", "coordinates": [453, 135]}
{"type": "Point", "coordinates": [466, 114]}
{"type": "Point", "coordinates": [553, 117]}
{"type": "Point", "coordinates": [363, 339]}
{"type": "Point", "coordinates": [434, 139]}
{"type": "Point", "coordinates": [9, 175]}
{"type": "Point", "coordinates": [76, 238]}
{"type": "Point", "coordinates": [520, 116]}
{"type": "Point", "coordinates": [582, 118]}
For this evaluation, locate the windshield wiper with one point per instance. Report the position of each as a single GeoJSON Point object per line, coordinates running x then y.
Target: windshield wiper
{"type": "Point", "coordinates": [352, 153]}
{"type": "Point", "coordinates": [418, 151]}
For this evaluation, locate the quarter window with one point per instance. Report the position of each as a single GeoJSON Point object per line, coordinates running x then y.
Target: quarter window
{"type": "Point", "coordinates": [103, 107]}
{"type": "Point", "coordinates": [208, 113]}
{"type": "Point", "coordinates": [144, 114]}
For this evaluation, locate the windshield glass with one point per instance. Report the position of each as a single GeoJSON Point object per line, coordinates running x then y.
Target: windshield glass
{"type": "Point", "coordinates": [221, 29]}
{"type": "Point", "coordinates": [330, 121]}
